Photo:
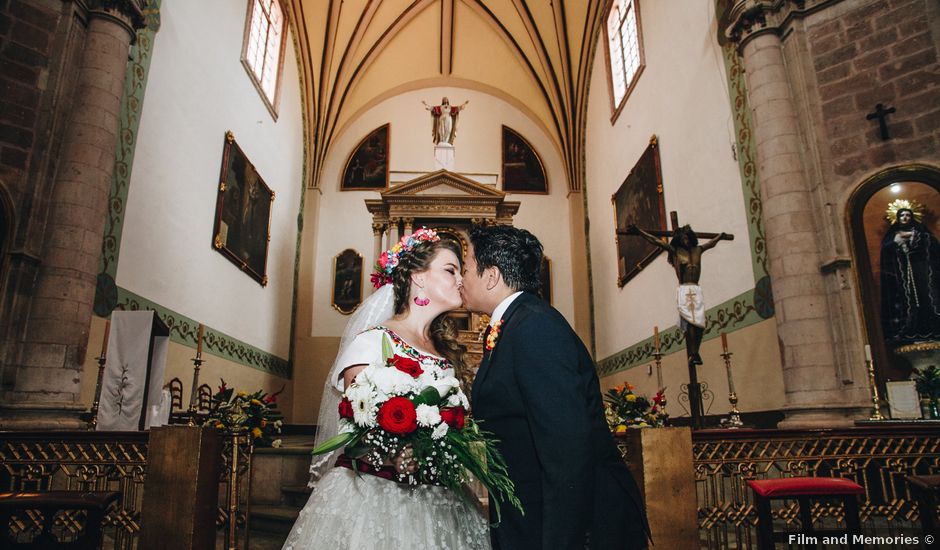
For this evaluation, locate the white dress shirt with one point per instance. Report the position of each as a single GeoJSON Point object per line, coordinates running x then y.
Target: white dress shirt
{"type": "Point", "coordinates": [502, 307]}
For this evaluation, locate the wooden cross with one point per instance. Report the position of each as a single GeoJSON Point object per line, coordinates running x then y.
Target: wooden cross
{"type": "Point", "coordinates": [881, 114]}
{"type": "Point", "coordinates": [695, 390]}
{"type": "Point", "coordinates": [674, 221]}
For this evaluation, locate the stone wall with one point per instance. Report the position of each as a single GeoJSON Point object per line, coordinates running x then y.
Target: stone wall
{"type": "Point", "coordinates": [885, 53]}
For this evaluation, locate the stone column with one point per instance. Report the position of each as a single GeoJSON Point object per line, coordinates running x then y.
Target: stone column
{"type": "Point", "coordinates": [409, 225]}
{"type": "Point", "coordinates": [814, 393]}
{"type": "Point", "coordinates": [46, 388]}
{"type": "Point", "coordinates": [394, 231]}
{"type": "Point", "coordinates": [378, 229]}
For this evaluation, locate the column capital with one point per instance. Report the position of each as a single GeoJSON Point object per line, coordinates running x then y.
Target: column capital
{"type": "Point", "coordinates": [128, 14]}
{"type": "Point", "coordinates": [745, 19]}
{"type": "Point", "coordinates": [378, 228]}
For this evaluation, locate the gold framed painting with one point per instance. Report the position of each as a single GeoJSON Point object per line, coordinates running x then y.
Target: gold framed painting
{"type": "Point", "coordinates": [347, 281]}
{"type": "Point", "coordinates": [242, 228]}
{"type": "Point", "coordinates": [639, 201]}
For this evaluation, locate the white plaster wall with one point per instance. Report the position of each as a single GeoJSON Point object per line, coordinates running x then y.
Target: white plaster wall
{"type": "Point", "coordinates": [344, 221]}
{"type": "Point", "coordinates": [197, 90]}
{"type": "Point", "coordinates": [682, 98]}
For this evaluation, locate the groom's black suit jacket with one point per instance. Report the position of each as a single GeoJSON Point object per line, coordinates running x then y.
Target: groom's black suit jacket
{"type": "Point", "coordinates": [537, 391]}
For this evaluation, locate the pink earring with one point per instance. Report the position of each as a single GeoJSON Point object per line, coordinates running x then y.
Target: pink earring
{"type": "Point", "coordinates": [422, 301]}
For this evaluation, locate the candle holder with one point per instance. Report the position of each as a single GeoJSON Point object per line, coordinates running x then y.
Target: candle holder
{"type": "Point", "coordinates": [194, 395]}
{"type": "Point", "coordinates": [658, 357]}
{"type": "Point", "coordinates": [734, 416]}
{"type": "Point", "coordinates": [876, 407]}
{"type": "Point", "coordinates": [93, 421]}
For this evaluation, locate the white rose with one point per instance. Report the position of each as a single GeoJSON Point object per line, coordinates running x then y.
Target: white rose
{"type": "Point", "coordinates": [390, 381]}
{"type": "Point", "coordinates": [428, 415]}
{"type": "Point", "coordinates": [440, 431]}
{"type": "Point", "coordinates": [276, 443]}
{"type": "Point", "coordinates": [458, 399]}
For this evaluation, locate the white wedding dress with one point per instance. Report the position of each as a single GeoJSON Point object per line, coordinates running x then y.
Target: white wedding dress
{"type": "Point", "coordinates": [360, 511]}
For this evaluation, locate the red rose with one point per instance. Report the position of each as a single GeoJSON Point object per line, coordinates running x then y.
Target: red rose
{"type": "Point", "coordinates": [398, 416]}
{"type": "Point", "coordinates": [345, 409]}
{"type": "Point", "coordinates": [407, 365]}
{"type": "Point", "coordinates": [454, 417]}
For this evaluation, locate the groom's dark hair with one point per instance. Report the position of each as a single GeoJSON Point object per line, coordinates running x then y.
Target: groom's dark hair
{"type": "Point", "coordinates": [515, 252]}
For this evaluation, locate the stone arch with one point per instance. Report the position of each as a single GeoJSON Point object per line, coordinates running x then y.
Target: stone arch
{"type": "Point", "coordinates": [887, 364]}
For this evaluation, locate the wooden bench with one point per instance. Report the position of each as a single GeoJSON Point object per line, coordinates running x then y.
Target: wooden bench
{"type": "Point", "coordinates": [926, 489]}
{"type": "Point", "coordinates": [49, 503]}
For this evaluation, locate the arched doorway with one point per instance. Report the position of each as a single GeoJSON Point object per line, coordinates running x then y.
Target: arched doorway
{"type": "Point", "coordinates": [871, 211]}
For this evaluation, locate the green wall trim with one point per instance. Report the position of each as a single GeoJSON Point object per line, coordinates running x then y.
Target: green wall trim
{"type": "Point", "coordinates": [135, 82]}
{"type": "Point", "coordinates": [749, 307]}
{"type": "Point", "coordinates": [742, 311]}
{"type": "Point", "coordinates": [183, 330]}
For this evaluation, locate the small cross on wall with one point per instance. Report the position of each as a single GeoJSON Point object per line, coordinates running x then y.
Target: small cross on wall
{"type": "Point", "coordinates": [882, 114]}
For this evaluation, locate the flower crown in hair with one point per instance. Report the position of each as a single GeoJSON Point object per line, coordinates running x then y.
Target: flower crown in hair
{"type": "Point", "coordinates": [389, 259]}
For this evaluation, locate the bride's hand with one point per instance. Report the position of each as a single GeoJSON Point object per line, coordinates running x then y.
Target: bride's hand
{"type": "Point", "coordinates": [404, 461]}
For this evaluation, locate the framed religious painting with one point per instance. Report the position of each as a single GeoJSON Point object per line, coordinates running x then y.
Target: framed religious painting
{"type": "Point", "coordinates": [639, 201]}
{"type": "Point", "coordinates": [347, 281]}
{"type": "Point", "coordinates": [522, 168]}
{"type": "Point", "coordinates": [242, 227]}
{"type": "Point", "coordinates": [367, 167]}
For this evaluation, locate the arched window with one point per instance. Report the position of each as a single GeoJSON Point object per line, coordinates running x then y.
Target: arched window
{"type": "Point", "coordinates": [263, 50]}
{"type": "Point", "coordinates": [624, 50]}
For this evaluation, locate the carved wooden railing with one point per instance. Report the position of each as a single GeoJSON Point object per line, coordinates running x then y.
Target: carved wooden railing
{"type": "Point", "coordinates": [109, 461]}
{"type": "Point", "coordinates": [876, 456]}
{"type": "Point", "coordinates": [78, 461]}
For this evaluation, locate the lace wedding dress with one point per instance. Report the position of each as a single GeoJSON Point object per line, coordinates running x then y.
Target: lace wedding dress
{"type": "Point", "coordinates": [360, 511]}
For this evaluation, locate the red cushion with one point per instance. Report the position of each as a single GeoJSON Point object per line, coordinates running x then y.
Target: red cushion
{"type": "Point", "coordinates": [804, 486]}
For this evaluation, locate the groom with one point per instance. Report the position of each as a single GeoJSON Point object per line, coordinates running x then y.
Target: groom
{"type": "Point", "coordinates": [537, 392]}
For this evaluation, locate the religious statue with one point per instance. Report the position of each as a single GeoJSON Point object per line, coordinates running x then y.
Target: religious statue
{"type": "Point", "coordinates": [444, 121]}
{"type": "Point", "coordinates": [685, 256]}
{"type": "Point", "coordinates": [910, 277]}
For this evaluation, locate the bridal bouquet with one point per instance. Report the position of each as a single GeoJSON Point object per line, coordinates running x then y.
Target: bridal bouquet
{"type": "Point", "coordinates": [400, 407]}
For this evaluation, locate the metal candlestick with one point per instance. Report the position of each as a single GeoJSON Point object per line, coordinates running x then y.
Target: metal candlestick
{"type": "Point", "coordinates": [659, 377]}
{"type": "Point", "coordinates": [734, 416]}
{"type": "Point", "coordinates": [876, 412]}
{"type": "Point", "coordinates": [93, 422]}
{"type": "Point", "coordinates": [194, 396]}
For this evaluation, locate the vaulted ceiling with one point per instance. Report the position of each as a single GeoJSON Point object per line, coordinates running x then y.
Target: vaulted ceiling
{"type": "Point", "coordinates": [534, 54]}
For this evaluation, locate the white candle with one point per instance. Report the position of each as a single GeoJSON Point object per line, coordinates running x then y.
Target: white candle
{"type": "Point", "coordinates": [867, 352]}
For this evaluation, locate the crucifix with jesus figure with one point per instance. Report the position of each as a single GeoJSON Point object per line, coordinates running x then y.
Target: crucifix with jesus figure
{"type": "Point", "coordinates": [685, 256]}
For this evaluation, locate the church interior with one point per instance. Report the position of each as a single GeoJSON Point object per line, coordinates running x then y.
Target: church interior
{"type": "Point", "coordinates": [193, 195]}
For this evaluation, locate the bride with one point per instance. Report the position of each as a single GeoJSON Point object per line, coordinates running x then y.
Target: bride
{"type": "Point", "coordinates": [366, 510]}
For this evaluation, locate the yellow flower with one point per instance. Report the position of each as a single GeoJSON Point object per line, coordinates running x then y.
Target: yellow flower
{"type": "Point", "coordinates": [256, 402]}
{"type": "Point", "coordinates": [643, 425]}
{"type": "Point", "coordinates": [219, 425]}
{"type": "Point", "coordinates": [256, 433]}
{"type": "Point", "coordinates": [621, 428]}
{"type": "Point", "coordinates": [631, 398]}
{"type": "Point", "coordinates": [242, 394]}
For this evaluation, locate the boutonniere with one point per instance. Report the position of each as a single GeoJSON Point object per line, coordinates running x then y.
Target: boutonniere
{"type": "Point", "coordinates": [493, 335]}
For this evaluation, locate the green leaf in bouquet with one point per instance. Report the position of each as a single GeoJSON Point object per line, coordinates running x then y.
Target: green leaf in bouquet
{"type": "Point", "coordinates": [387, 351]}
{"type": "Point", "coordinates": [428, 396]}
{"type": "Point", "coordinates": [335, 442]}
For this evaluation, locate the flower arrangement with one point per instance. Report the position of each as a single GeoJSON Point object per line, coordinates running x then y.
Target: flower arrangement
{"type": "Point", "coordinates": [927, 382]}
{"type": "Point", "coordinates": [402, 407]}
{"type": "Point", "coordinates": [389, 259]}
{"type": "Point", "coordinates": [624, 409]}
{"type": "Point", "coordinates": [255, 413]}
